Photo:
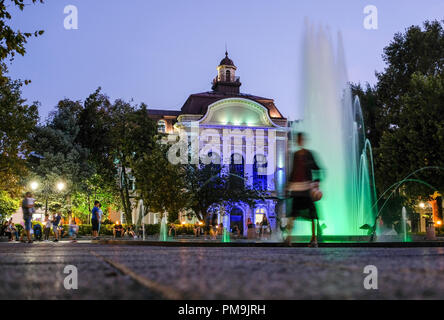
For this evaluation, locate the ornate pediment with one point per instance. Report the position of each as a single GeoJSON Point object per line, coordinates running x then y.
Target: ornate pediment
{"type": "Point", "coordinates": [237, 112]}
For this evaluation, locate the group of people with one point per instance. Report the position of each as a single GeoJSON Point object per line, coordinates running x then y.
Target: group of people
{"type": "Point", "coordinates": [260, 230]}
{"type": "Point", "coordinates": [120, 231]}
{"type": "Point", "coordinates": [36, 231]}
{"type": "Point", "coordinates": [9, 229]}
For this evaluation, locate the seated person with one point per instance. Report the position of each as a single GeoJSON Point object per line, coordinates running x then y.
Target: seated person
{"type": "Point", "coordinates": [118, 231]}
{"type": "Point", "coordinates": [220, 229]}
{"type": "Point", "coordinates": [236, 231]}
{"type": "Point", "coordinates": [172, 230]}
{"type": "Point", "coordinates": [13, 230]}
{"type": "Point", "coordinates": [5, 230]}
{"type": "Point", "coordinates": [196, 229]}
{"type": "Point", "coordinates": [73, 230]}
{"type": "Point", "coordinates": [38, 232]}
{"type": "Point", "coordinates": [61, 232]}
{"type": "Point", "coordinates": [130, 232]}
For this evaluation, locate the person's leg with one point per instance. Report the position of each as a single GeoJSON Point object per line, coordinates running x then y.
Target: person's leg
{"type": "Point", "coordinates": [313, 241]}
{"type": "Point", "coordinates": [28, 229]}
{"type": "Point", "coordinates": [289, 230]}
{"type": "Point", "coordinates": [313, 231]}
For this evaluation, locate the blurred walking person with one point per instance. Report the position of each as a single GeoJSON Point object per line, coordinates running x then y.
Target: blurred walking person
{"type": "Point", "coordinates": [303, 190]}
{"type": "Point", "coordinates": [27, 209]}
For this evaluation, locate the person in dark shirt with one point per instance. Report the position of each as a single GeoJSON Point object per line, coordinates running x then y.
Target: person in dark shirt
{"type": "Point", "coordinates": [55, 226]}
{"type": "Point", "coordinates": [95, 220]}
{"type": "Point", "coordinates": [118, 230]}
{"type": "Point", "coordinates": [300, 186]}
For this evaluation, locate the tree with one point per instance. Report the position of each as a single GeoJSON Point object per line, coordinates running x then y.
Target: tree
{"type": "Point", "coordinates": [375, 120]}
{"type": "Point", "coordinates": [418, 140]}
{"type": "Point", "coordinates": [95, 135]}
{"type": "Point", "coordinates": [17, 121]}
{"type": "Point", "coordinates": [8, 205]}
{"type": "Point", "coordinates": [12, 41]}
{"type": "Point", "coordinates": [160, 184]}
{"type": "Point", "coordinates": [116, 134]}
{"type": "Point", "coordinates": [417, 50]}
{"type": "Point", "coordinates": [209, 186]}
{"type": "Point", "coordinates": [401, 111]}
{"type": "Point", "coordinates": [57, 157]}
{"type": "Point", "coordinates": [132, 135]}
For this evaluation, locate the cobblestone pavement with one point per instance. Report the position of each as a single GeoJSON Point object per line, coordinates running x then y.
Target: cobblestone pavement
{"type": "Point", "coordinates": [35, 271]}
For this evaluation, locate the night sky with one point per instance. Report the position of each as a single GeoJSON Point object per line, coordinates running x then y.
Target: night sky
{"type": "Point", "coordinates": [159, 52]}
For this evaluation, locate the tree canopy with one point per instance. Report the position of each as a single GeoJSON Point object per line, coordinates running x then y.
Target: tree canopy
{"type": "Point", "coordinates": [403, 111]}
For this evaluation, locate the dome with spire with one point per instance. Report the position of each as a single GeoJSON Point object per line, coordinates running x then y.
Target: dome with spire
{"type": "Point", "coordinates": [226, 61]}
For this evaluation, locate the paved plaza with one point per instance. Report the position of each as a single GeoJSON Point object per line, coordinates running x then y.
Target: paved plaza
{"type": "Point", "coordinates": [35, 271]}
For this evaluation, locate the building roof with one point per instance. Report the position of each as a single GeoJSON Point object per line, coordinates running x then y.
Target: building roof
{"type": "Point", "coordinates": [198, 103]}
{"type": "Point", "coordinates": [159, 112]}
{"type": "Point", "coordinates": [226, 61]}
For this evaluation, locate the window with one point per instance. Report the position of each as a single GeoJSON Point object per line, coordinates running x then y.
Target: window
{"type": "Point", "coordinates": [259, 215]}
{"type": "Point", "coordinates": [237, 165]}
{"type": "Point", "coordinates": [259, 172]}
{"type": "Point", "coordinates": [227, 76]}
{"type": "Point", "coordinates": [213, 158]}
{"type": "Point", "coordinates": [161, 126]}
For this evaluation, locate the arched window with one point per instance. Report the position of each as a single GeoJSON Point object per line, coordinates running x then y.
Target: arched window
{"type": "Point", "coordinates": [237, 165]}
{"type": "Point", "coordinates": [227, 76]}
{"type": "Point", "coordinates": [259, 214]}
{"type": "Point", "coordinates": [214, 158]}
{"type": "Point", "coordinates": [259, 172]}
{"type": "Point", "coordinates": [161, 126]}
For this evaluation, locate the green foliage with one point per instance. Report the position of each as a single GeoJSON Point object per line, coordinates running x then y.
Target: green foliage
{"type": "Point", "coordinates": [12, 41]}
{"type": "Point", "coordinates": [17, 121]}
{"type": "Point", "coordinates": [208, 187]}
{"type": "Point", "coordinates": [418, 141]}
{"type": "Point", "coordinates": [152, 229]}
{"type": "Point", "coordinates": [392, 212]}
{"type": "Point", "coordinates": [403, 112]}
{"type": "Point", "coordinates": [8, 205]}
{"type": "Point", "coordinates": [116, 134]}
{"type": "Point", "coordinates": [159, 183]}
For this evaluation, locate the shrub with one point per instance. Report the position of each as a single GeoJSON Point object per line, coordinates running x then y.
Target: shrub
{"type": "Point", "coordinates": [151, 229]}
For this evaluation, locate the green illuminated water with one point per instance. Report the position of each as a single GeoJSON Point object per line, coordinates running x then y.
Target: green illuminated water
{"type": "Point", "coordinates": [335, 131]}
{"type": "Point", "coordinates": [163, 235]}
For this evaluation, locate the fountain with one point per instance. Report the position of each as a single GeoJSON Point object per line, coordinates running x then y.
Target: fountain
{"type": "Point", "coordinates": [335, 131]}
{"type": "Point", "coordinates": [163, 235]}
{"type": "Point", "coordinates": [404, 224]}
{"type": "Point", "coordinates": [226, 233]}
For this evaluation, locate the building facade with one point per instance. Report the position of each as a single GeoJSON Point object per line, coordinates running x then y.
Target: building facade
{"type": "Point", "coordinates": [245, 133]}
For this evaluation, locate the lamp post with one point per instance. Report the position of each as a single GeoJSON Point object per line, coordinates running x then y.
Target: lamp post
{"type": "Point", "coordinates": [34, 185]}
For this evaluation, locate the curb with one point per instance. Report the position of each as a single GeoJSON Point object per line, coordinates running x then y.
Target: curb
{"type": "Point", "coordinates": [422, 244]}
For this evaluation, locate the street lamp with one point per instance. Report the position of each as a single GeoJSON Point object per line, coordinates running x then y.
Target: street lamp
{"type": "Point", "coordinates": [34, 185]}
{"type": "Point", "coordinates": [60, 186]}
{"type": "Point", "coordinates": [422, 205]}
